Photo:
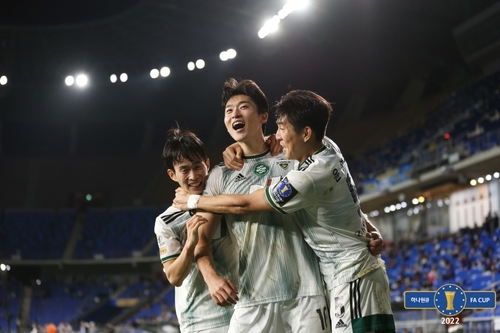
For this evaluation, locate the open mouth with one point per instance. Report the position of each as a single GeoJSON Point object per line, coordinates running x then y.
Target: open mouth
{"type": "Point", "coordinates": [238, 125]}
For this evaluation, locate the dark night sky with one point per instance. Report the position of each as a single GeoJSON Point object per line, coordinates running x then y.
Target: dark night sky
{"type": "Point", "coordinates": [338, 48]}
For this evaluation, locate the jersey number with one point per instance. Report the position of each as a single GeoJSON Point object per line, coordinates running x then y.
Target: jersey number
{"type": "Point", "coordinates": [324, 316]}
{"type": "Point", "coordinates": [352, 188]}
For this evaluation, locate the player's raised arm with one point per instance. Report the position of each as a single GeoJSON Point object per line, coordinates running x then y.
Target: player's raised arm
{"type": "Point", "coordinates": [178, 269]}
{"type": "Point", "coordinates": [224, 204]}
{"type": "Point", "coordinates": [222, 290]}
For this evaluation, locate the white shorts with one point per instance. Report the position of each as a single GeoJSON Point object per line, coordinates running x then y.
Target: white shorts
{"type": "Point", "coordinates": [300, 315]}
{"type": "Point", "coordinates": [222, 329]}
{"type": "Point", "coordinates": [363, 305]}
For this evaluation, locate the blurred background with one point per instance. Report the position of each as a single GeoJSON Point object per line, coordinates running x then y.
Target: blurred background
{"type": "Point", "coordinates": [88, 90]}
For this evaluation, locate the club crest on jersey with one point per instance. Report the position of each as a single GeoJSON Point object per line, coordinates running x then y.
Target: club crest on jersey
{"type": "Point", "coordinates": [261, 169]}
{"type": "Point", "coordinates": [284, 192]}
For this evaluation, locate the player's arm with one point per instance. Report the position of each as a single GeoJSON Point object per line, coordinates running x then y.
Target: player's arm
{"type": "Point", "coordinates": [225, 203]}
{"type": "Point", "coordinates": [222, 290]}
{"type": "Point", "coordinates": [178, 268]}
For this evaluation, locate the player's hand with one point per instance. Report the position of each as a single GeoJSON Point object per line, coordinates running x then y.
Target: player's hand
{"type": "Point", "coordinates": [223, 291]}
{"type": "Point", "coordinates": [233, 157]}
{"type": "Point", "coordinates": [376, 243]}
{"type": "Point", "coordinates": [274, 145]}
{"type": "Point", "coordinates": [192, 226]}
{"type": "Point", "coordinates": [181, 199]}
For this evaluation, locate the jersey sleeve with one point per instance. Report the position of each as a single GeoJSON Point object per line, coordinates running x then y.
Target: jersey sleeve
{"type": "Point", "coordinates": [169, 244]}
{"type": "Point", "coordinates": [214, 182]}
{"type": "Point", "coordinates": [296, 191]}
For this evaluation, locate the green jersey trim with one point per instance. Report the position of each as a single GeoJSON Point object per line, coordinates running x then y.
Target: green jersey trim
{"type": "Point", "coordinates": [168, 258]}
{"type": "Point", "coordinates": [251, 157]}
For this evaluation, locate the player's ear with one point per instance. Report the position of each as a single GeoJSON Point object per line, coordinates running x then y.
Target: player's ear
{"type": "Point", "coordinates": [171, 174]}
{"type": "Point", "coordinates": [264, 116]}
{"type": "Point", "coordinates": [207, 163]}
{"type": "Point", "coordinates": [307, 133]}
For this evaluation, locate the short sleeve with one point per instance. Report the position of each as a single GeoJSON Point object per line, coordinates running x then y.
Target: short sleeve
{"type": "Point", "coordinates": [214, 182]}
{"type": "Point", "coordinates": [169, 245]}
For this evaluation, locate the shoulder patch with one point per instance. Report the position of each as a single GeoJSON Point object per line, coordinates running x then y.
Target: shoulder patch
{"type": "Point", "coordinates": [283, 192]}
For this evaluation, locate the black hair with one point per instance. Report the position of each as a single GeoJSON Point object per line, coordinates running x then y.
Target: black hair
{"type": "Point", "coordinates": [183, 144]}
{"type": "Point", "coordinates": [305, 108]}
{"type": "Point", "coordinates": [233, 87]}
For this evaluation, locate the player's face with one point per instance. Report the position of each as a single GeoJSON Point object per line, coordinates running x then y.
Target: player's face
{"type": "Point", "coordinates": [190, 176]}
{"type": "Point", "coordinates": [242, 119]}
{"type": "Point", "coordinates": [290, 140]}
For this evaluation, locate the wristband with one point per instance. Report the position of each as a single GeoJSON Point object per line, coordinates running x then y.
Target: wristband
{"type": "Point", "coordinates": [193, 201]}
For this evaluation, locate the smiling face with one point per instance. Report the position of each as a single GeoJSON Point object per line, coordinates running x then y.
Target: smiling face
{"type": "Point", "coordinates": [190, 176]}
{"type": "Point", "coordinates": [291, 141]}
{"type": "Point", "coordinates": [242, 119]}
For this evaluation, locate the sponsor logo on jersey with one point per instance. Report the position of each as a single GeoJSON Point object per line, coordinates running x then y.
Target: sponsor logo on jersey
{"type": "Point", "coordinates": [160, 241]}
{"type": "Point", "coordinates": [283, 192]}
{"type": "Point", "coordinates": [239, 178]}
{"type": "Point", "coordinates": [163, 250]}
{"type": "Point", "coordinates": [261, 169]}
{"type": "Point", "coordinates": [283, 165]}
{"type": "Point", "coordinates": [340, 324]}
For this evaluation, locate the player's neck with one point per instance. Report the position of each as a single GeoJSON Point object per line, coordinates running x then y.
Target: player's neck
{"type": "Point", "coordinates": [253, 147]}
{"type": "Point", "coordinates": [310, 150]}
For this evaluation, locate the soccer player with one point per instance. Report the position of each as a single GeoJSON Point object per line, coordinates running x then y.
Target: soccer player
{"type": "Point", "coordinates": [279, 285]}
{"type": "Point", "coordinates": [323, 197]}
{"type": "Point", "coordinates": [177, 235]}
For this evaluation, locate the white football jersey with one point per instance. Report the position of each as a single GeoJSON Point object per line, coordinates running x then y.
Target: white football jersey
{"type": "Point", "coordinates": [323, 196]}
{"type": "Point", "coordinates": [275, 263]}
{"type": "Point", "coordinates": [194, 306]}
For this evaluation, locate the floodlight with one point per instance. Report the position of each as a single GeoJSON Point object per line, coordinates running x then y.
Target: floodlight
{"type": "Point", "coordinates": [154, 73]}
{"type": "Point", "coordinates": [165, 71]}
{"type": "Point", "coordinates": [200, 63]}
{"type": "Point", "coordinates": [82, 80]}
{"type": "Point", "coordinates": [231, 53]}
{"type": "Point", "coordinates": [113, 78]}
{"type": "Point", "coordinates": [123, 77]}
{"type": "Point", "coordinates": [3, 80]}
{"type": "Point", "coordinates": [223, 56]}
{"type": "Point", "coordinates": [191, 66]}
{"type": "Point", "coordinates": [70, 80]}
